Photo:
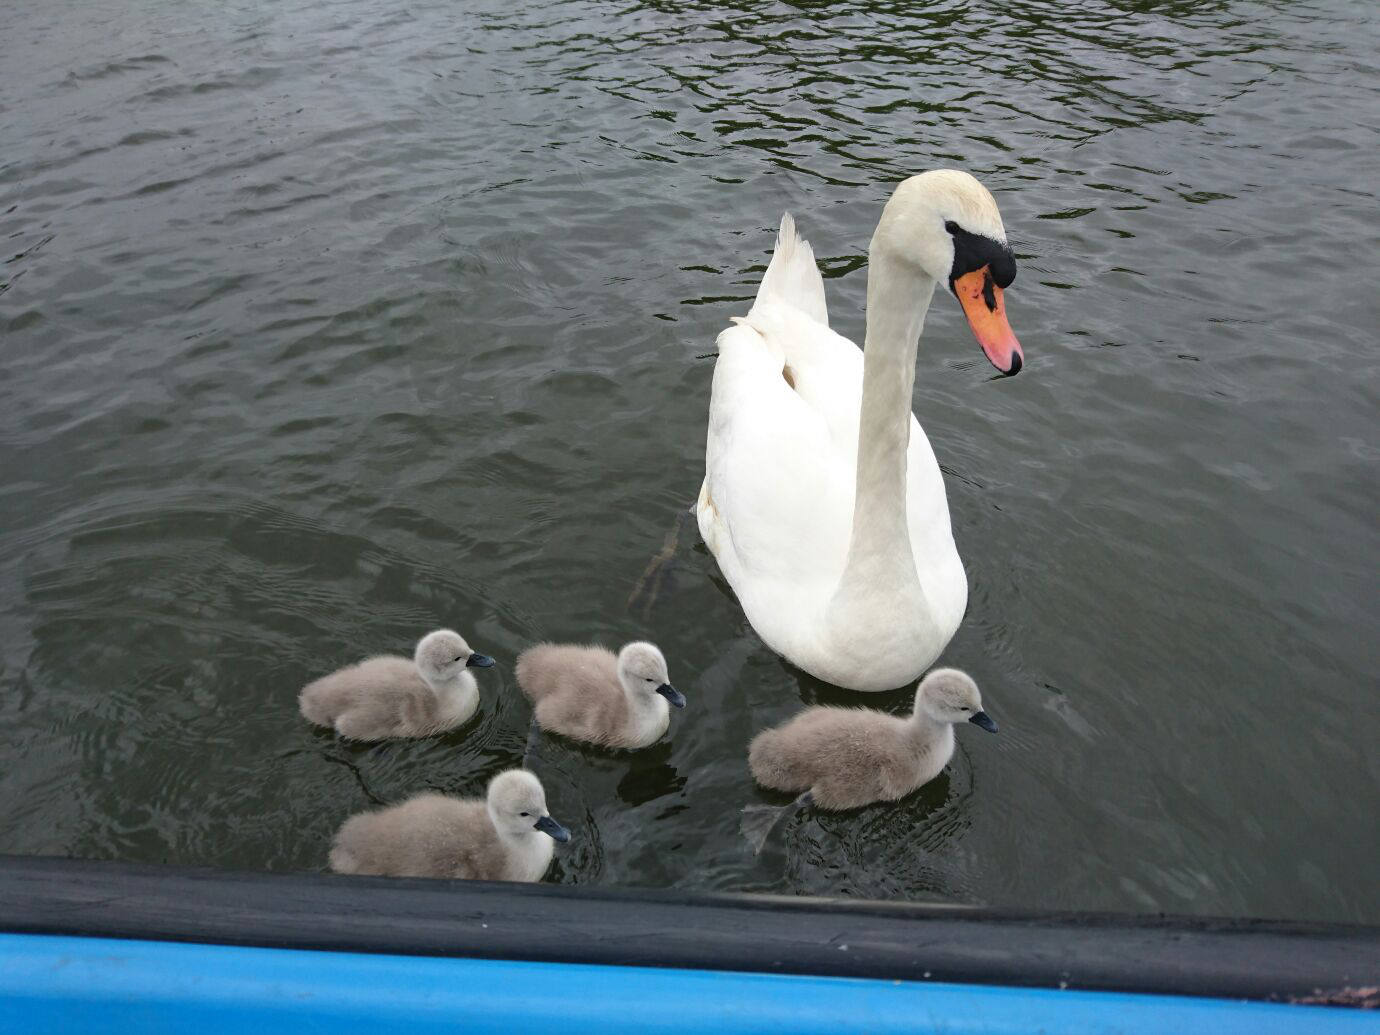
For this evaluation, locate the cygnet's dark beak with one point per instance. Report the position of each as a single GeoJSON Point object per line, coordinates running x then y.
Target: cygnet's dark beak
{"type": "Point", "coordinates": [547, 825]}
{"type": "Point", "coordinates": [480, 661]}
{"type": "Point", "coordinates": [671, 694]}
{"type": "Point", "coordinates": [985, 721]}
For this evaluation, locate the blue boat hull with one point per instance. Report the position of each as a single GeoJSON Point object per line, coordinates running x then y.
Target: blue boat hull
{"type": "Point", "coordinates": [64, 984]}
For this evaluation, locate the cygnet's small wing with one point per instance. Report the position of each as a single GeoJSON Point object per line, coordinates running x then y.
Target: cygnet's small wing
{"type": "Point", "coordinates": [790, 756]}
{"type": "Point", "coordinates": [597, 718]}
{"type": "Point", "coordinates": [477, 855]}
{"type": "Point", "coordinates": [323, 700]}
{"type": "Point", "coordinates": [420, 837]}
{"type": "Point", "coordinates": [576, 692]}
{"type": "Point", "coordinates": [364, 843]}
{"type": "Point", "coordinates": [376, 685]}
{"type": "Point", "coordinates": [562, 668]}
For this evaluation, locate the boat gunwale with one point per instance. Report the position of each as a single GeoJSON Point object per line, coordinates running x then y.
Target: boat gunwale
{"type": "Point", "coordinates": [1153, 954]}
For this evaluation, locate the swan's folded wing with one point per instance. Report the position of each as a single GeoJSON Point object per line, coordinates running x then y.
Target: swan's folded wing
{"type": "Point", "coordinates": [822, 367]}
{"type": "Point", "coordinates": [778, 489]}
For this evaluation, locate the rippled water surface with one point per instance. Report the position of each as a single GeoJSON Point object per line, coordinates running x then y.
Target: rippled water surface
{"type": "Point", "coordinates": [323, 324]}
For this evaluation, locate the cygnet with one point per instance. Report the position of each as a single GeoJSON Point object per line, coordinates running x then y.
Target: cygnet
{"type": "Point", "coordinates": [844, 758]}
{"type": "Point", "coordinates": [508, 835]}
{"type": "Point", "coordinates": [586, 693]}
{"type": "Point", "coordinates": [391, 696]}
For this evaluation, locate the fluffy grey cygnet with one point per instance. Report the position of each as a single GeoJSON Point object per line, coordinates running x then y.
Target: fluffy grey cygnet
{"type": "Point", "coordinates": [389, 696]}
{"type": "Point", "coordinates": [849, 757]}
{"type": "Point", "coordinates": [509, 835]}
{"type": "Point", "coordinates": [586, 693]}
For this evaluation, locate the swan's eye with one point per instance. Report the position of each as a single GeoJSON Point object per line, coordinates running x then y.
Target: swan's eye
{"type": "Point", "coordinates": [460, 659]}
{"type": "Point", "coordinates": [650, 679]}
{"type": "Point", "coordinates": [974, 251]}
{"type": "Point", "coordinates": [525, 815]}
{"type": "Point", "coordinates": [965, 708]}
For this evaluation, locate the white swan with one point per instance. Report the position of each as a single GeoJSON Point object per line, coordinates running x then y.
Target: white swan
{"type": "Point", "coordinates": [822, 500]}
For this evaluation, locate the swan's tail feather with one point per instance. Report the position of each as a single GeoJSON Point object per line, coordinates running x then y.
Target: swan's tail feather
{"type": "Point", "coordinates": [793, 276]}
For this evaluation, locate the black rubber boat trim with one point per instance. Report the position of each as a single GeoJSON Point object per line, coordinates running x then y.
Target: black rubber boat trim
{"type": "Point", "coordinates": [1239, 959]}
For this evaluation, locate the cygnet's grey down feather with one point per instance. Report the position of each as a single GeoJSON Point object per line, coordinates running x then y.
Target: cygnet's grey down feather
{"type": "Point", "coordinates": [850, 757]}
{"type": "Point", "coordinates": [389, 696]}
{"type": "Point", "coordinates": [589, 694]}
{"type": "Point", "coordinates": [508, 835]}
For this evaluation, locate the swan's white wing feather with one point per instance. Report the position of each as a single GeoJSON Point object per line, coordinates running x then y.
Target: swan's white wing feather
{"type": "Point", "coordinates": [823, 368]}
{"type": "Point", "coordinates": [778, 493]}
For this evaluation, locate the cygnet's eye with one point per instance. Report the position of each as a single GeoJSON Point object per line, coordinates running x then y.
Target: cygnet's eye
{"type": "Point", "coordinates": [965, 708]}
{"type": "Point", "coordinates": [525, 815]}
{"type": "Point", "coordinates": [461, 658]}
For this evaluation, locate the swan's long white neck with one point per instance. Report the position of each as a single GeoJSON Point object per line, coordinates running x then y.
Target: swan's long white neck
{"type": "Point", "coordinates": [879, 549]}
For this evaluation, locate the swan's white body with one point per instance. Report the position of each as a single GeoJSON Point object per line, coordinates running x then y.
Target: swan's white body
{"type": "Point", "coordinates": [854, 577]}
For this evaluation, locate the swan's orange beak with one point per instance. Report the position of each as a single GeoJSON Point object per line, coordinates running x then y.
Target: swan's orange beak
{"type": "Point", "coordinates": [982, 304]}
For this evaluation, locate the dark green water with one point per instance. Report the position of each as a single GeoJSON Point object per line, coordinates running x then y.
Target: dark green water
{"type": "Point", "coordinates": [325, 324]}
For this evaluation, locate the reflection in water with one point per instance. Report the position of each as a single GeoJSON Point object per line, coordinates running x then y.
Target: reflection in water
{"type": "Point", "coordinates": [650, 776]}
{"type": "Point", "coordinates": [326, 325]}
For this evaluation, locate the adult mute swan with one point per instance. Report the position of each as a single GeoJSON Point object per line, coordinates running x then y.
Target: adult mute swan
{"type": "Point", "coordinates": [822, 500]}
